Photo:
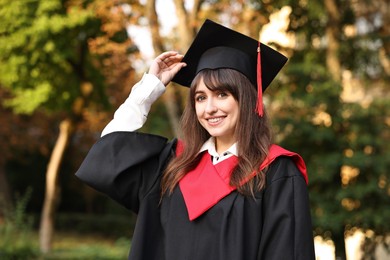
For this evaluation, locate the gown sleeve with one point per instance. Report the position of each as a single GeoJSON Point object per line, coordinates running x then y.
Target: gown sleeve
{"type": "Point", "coordinates": [287, 230]}
{"type": "Point", "coordinates": [125, 166]}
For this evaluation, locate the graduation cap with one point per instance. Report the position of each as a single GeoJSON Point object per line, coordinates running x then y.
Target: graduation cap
{"type": "Point", "coordinates": [216, 46]}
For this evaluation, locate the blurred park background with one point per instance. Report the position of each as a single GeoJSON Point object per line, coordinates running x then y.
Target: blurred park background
{"type": "Point", "coordinates": [65, 65]}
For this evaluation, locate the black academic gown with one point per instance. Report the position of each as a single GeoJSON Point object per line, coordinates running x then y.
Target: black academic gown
{"type": "Point", "coordinates": [276, 224]}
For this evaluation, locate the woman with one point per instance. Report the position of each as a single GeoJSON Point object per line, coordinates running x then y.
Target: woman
{"type": "Point", "coordinates": [223, 191]}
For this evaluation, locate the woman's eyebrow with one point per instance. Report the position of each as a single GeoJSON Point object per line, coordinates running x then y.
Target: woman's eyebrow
{"type": "Point", "coordinates": [199, 92]}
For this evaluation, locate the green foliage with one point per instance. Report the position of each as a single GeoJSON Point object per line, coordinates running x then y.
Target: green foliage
{"type": "Point", "coordinates": [369, 158]}
{"type": "Point", "coordinates": [344, 143]}
{"type": "Point", "coordinates": [43, 52]}
{"type": "Point", "coordinates": [16, 233]}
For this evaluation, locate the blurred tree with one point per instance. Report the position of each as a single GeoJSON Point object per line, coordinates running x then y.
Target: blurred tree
{"type": "Point", "coordinates": [58, 56]}
{"type": "Point", "coordinates": [20, 135]}
{"type": "Point", "coordinates": [333, 109]}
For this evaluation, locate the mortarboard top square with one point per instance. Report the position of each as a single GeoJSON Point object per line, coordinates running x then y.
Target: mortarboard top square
{"type": "Point", "coordinates": [216, 46]}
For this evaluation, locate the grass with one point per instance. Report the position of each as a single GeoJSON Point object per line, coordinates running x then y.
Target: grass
{"type": "Point", "coordinates": [72, 245]}
{"type": "Point", "coordinates": [87, 246]}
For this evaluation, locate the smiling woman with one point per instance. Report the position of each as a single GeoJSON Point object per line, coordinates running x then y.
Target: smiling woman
{"type": "Point", "coordinates": [223, 191]}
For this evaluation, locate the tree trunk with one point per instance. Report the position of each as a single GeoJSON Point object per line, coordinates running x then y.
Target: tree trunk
{"type": "Point", "coordinates": [332, 33]}
{"type": "Point", "coordinates": [154, 27]}
{"type": "Point", "coordinates": [339, 244]}
{"type": "Point", "coordinates": [194, 14]}
{"type": "Point", "coordinates": [384, 9]}
{"type": "Point", "coordinates": [184, 25]}
{"type": "Point", "coordinates": [333, 65]}
{"type": "Point", "coordinates": [384, 51]}
{"type": "Point", "coordinates": [52, 195]}
{"type": "Point", "coordinates": [5, 195]}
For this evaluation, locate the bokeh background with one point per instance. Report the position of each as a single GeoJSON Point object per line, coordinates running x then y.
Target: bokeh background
{"type": "Point", "coordinates": [66, 65]}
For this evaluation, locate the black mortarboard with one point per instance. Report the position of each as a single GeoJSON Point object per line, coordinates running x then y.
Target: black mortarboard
{"type": "Point", "coordinates": [216, 46]}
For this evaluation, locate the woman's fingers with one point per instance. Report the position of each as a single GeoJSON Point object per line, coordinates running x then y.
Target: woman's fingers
{"type": "Point", "coordinates": [172, 59]}
{"type": "Point", "coordinates": [169, 56]}
{"type": "Point", "coordinates": [168, 74]}
{"type": "Point", "coordinates": [166, 65]}
{"type": "Point", "coordinates": [177, 67]}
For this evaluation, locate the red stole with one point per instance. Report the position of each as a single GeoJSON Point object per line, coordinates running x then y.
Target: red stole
{"type": "Point", "coordinates": [207, 184]}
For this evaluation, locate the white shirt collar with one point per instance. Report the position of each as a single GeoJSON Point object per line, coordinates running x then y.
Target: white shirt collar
{"type": "Point", "coordinates": [209, 146]}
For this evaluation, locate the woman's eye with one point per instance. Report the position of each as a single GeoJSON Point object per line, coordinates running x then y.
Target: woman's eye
{"type": "Point", "coordinates": [200, 98]}
{"type": "Point", "coordinates": [222, 94]}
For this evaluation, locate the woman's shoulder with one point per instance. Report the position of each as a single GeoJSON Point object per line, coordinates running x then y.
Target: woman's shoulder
{"type": "Point", "coordinates": [283, 167]}
{"type": "Point", "coordinates": [283, 163]}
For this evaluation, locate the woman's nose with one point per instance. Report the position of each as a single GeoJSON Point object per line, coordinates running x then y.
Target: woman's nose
{"type": "Point", "coordinates": [211, 106]}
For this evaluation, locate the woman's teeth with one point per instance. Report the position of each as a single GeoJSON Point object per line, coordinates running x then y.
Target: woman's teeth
{"type": "Point", "coordinates": [215, 120]}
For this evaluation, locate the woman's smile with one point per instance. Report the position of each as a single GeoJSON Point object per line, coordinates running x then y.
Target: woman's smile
{"type": "Point", "coordinates": [215, 120]}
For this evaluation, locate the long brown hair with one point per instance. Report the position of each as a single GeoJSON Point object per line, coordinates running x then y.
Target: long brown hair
{"type": "Point", "coordinates": [253, 133]}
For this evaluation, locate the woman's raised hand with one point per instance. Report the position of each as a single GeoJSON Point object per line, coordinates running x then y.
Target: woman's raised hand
{"type": "Point", "coordinates": [166, 65]}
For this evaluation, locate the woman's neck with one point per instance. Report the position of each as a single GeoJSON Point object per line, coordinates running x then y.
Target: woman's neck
{"type": "Point", "coordinates": [222, 146]}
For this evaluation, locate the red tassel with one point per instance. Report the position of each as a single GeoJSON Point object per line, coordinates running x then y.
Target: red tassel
{"type": "Point", "coordinates": [259, 105]}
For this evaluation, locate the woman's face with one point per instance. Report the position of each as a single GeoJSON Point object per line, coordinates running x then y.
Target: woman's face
{"type": "Point", "coordinates": [217, 112]}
